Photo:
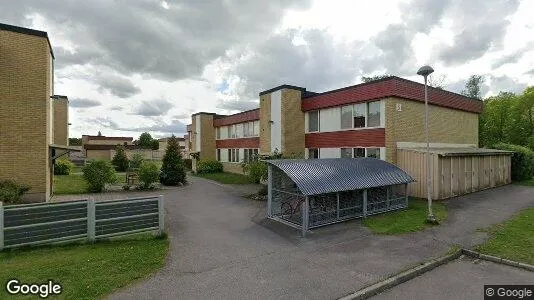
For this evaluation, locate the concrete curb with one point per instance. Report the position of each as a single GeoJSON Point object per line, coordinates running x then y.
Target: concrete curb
{"type": "Point", "coordinates": [498, 260]}
{"type": "Point", "coordinates": [394, 280]}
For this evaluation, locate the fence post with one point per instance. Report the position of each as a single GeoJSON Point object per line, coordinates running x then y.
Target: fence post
{"type": "Point", "coordinates": [337, 195]}
{"type": "Point", "coordinates": [269, 191]}
{"type": "Point", "coordinates": [365, 203]}
{"type": "Point", "coordinates": [91, 220]}
{"type": "Point", "coordinates": [406, 194]}
{"type": "Point", "coordinates": [1, 226]}
{"type": "Point", "coordinates": [161, 216]}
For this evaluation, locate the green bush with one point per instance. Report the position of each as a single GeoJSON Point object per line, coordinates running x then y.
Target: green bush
{"type": "Point", "coordinates": [148, 174]}
{"type": "Point", "coordinates": [98, 173]}
{"type": "Point", "coordinates": [63, 167]}
{"type": "Point", "coordinates": [188, 163]}
{"type": "Point", "coordinates": [209, 166]}
{"type": "Point", "coordinates": [172, 169]}
{"type": "Point", "coordinates": [12, 192]}
{"type": "Point", "coordinates": [522, 161]}
{"type": "Point", "coordinates": [120, 160]}
{"type": "Point", "coordinates": [256, 170]}
{"type": "Point", "coordinates": [136, 160]}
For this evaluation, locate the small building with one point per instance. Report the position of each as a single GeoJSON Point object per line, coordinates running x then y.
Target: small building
{"type": "Point", "coordinates": [163, 142]}
{"type": "Point", "coordinates": [103, 147]}
{"type": "Point", "coordinates": [311, 193]}
{"type": "Point", "coordinates": [33, 120]}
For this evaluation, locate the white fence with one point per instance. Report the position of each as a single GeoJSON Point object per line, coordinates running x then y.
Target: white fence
{"type": "Point", "coordinates": [45, 223]}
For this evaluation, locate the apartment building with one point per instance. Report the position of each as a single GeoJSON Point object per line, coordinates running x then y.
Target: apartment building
{"type": "Point", "coordinates": [33, 121]}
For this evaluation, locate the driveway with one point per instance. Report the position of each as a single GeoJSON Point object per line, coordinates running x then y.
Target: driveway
{"type": "Point", "coordinates": [223, 247]}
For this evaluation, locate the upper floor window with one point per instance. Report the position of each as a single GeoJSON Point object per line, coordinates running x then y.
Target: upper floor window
{"type": "Point", "coordinates": [359, 115]}
{"type": "Point", "coordinates": [313, 121]}
{"type": "Point", "coordinates": [374, 114]}
{"type": "Point", "coordinates": [346, 117]}
{"type": "Point", "coordinates": [218, 131]}
{"type": "Point", "coordinates": [231, 131]}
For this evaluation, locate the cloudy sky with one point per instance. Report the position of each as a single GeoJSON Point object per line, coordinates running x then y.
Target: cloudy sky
{"type": "Point", "coordinates": [147, 65]}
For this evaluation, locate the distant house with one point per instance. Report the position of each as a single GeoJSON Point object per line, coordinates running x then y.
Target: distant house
{"type": "Point", "coordinates": [103, 147]}
{"type": "Point", "coordinates": [164, 141]}
{"type": "Point", "coordinates": [33, 121]}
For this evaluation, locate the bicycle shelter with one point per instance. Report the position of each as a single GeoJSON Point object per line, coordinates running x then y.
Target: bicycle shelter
{"type": "Point", "coordinates": [309, 193]}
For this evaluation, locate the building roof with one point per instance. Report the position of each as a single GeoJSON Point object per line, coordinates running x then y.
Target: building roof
{"type": "Point", "coordinates": [111, 147]}
{"type": "Point", "coordinates": [245, 116]}
{"type": "Point", "coordinates": [320, 176]}
{"type": "Point", "coordinates": [101, 137]}
{"type": "Point", "coordinates": [460, 151]}
{"type": "Point", "coordinates": [28, 31]}
{"type": "Point", "coordinates": [392, 86]}
{"type": "Point", "coordinates": [167, 138]}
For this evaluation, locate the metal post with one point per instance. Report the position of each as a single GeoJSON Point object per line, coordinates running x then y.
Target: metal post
{"type": "Point", "coordinates": [429, 175]}
{"type": "Point", "coordinates": [305, 215]}
{"type": "Point", "coordinates": [365, 203]}
{"type": "Point", "coordinates": [161, 216]}
{"type": "Point", "coordinates": [91, 220]}
{"type": "Point", "coordinates": [270, 191]}
{"type": "Point", "coordinates": [1, 226]}
{"type": "Point", "coordinates": [338, 205]}
{"type": "Point", "coordinates": [406, 194]}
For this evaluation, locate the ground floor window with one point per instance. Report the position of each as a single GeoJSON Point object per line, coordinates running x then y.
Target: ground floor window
{"type": "Point", "coordinates": [355, 152]}
{"type": "Point", "coordinates": [250, 155]}
{"type": "Point", "coordinates": [233, 155]}
{"type": "Point", "coordinates": [313, 153]}
{"type": "Point", "coordinates": [373, 152]}
{"type": "Point", "coordinates": [218, 154]}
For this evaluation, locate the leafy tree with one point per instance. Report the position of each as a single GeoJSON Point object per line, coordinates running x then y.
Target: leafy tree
{"type": "Point", "coordinates": [155, 144]}
{"type": "Point", "coordinates": [172, 169]}
{"type": "Point", "coordinates": [148, 174]}
{"type": "Point", "coordinates": [136, 160]}
{"type": "Point", "coordinates": [75, 141]}
{"type": "Point", "coordinates": [120, 160]}
{"type": "Point", "coordinates": [145, 140]}
{"type": "Point", "coordinates": [63, 166]}
{"type": "Point", "coordinates": [472, 86]}
{"type": "Point", "coordinates": [436, 81]}
{"type": "Point", "coordinates": [366, 79]}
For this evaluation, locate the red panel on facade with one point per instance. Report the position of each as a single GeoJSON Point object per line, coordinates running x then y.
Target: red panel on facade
{"type": "Point", "coordinates": [347, 138]}
{"type": "Point", "coordinates": [245, 116]}
{"type": "Point", "coordinates": [391, 87]}
{"type": "Point", "coordinates": [253, 142]}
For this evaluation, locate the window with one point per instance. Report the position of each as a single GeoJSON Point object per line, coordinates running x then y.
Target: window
{"type": "Point", "coordinates": [233, 155]}
{"type": "Point", "coordinates": [218, 131]}
{"type": "Point", "coordinates": [346, 152]}
{"type": "Point", "coordinates": [239, 130]}
{"type": "Point", "coordinates": [256, 128]}
{"type": "Point", "coordinates": [346, 117]}
{"type": "Point", "coordinates": [219, 154]}
{"type": "Point", "coordinates": [374, 114]}
{"type": "Point", "coordinates": [373, 152]}
{"type": "Point", "coordinates": [231, 131]}
{"type": "Point", "coordinates": [236, 155]}
{"type": "Point", "coordinates": [359, 152]}
{"type": "Point", "coordinates": [313, 153]}
{"type": "Point", "coordinates": [250, 128]}
{"type": "Point", "coordinates": [245, 130]}
{"type": "Point", "coordinates": [313, 121]}
{"type": "Point", "coordinates": [250, 155]}
{"type": "Point", "coordinates": [359, 115]}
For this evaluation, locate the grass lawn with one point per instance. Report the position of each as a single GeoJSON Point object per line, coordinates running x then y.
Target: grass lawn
{"type": "Point", "coordinates": [513, 239]}
{"type": "Point", "coordinates": [85, 271]}
{"type": "Point", "coordinates": [526, 182]}
{"type": "Point", "coordinates": [75, 184]}
{"type": "Point", "coordinates": [407, 220]}
{"type": "Point", "coordinates": [226, 178]}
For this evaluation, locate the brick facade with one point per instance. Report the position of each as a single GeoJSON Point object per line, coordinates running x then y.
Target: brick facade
{"type": "Point", "coordinates": [26, 85]}
{"type": "Point", "coordinates": [292, 123]}
{"type": "Point", "coordinates": [61, 120]}
{"type": "Point", "coordinates": [265, 126]}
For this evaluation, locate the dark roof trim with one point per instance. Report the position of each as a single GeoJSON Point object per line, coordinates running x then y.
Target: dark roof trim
{"type": "Point", "coordinates": [204, 113]}
{"type": "Point", "coordinates": [284, 86]}
{"type": "Point", "coordinates": [28, 31]}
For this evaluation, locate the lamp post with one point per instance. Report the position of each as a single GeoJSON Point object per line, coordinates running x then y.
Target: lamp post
{"type": "Point", "coordinates": [431, 218]}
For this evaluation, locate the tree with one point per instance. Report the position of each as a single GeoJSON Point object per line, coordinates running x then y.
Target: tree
{"type": "Point", "coordinates": [75, 141]}
{"type": "Point", "coordinates": [155, 145]}
{"type": "Point", "coordinates": [97, 174]}
{"type": "Point", "coordinates": [472, 86]}
{"type": "Point", "coordinates": [99, 133]}
{"type": "Point", "coordinates": [437, 81]}
{"type": "Point", "coordinates": [172, 169]}
{"type": "Point", "coordinates": [145, 140]}
{"type": "Point", "coordinates": [120, 160]}
{"type": "Point", "coordinates": [374, 78]}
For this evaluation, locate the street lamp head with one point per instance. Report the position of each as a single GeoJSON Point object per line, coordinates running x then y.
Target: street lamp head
{"type": "Point", "coordinates": [425, 71]}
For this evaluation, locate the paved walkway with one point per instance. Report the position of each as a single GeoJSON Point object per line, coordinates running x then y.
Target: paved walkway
{"type": "Point", "coordinates": [223, 247]}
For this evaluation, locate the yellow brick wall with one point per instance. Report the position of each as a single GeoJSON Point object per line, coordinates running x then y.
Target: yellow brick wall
{"type": "Point", "coordinates": [445, 125]}
{"type": "Point", "coordinates": [292, 120]}
{"type": "Point", "coordinates": [25, 89]}
{"type": "Point", "coordinates": [107, 142]}
{"type": "Point", "coordinates": [265, 126]}
{"type": "Point", "coordinates": [207, 137]}
{"type": "Point", "coordinates": [100, 154]}
{"type": "Point", "coordinates": [232, 167]}
{"type": "Point", "coordinates": [61, 120]}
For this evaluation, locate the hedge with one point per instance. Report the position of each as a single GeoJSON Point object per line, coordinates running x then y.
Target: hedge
{"type": "Point", "coordinates": [209, 166]}
{"type": "Point", "coordinates": [522, 161]}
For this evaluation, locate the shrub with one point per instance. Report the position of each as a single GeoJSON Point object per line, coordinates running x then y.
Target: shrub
{"type": "Point", "coordinates": [120, 160]}
{"type": "Point", "coordinates": [63, 167]}
{"type": "Point", "coordinates": [209, 166]}
{"type": "Point", "coordinates": [188, 163]}
{"type": "Point", "coordinates": [522, 161]}
{"type": "Point", "coordinates": [136, 160]}
{"type": "Point", "coordinates": [172, 169]}
{"type": "Point", "coordinates": [12, 192]}
{"type": "Point", "coordinates": [148, 174]}
{"type": "Point", "coordinates": [256, 170]}
{"type": "Point", "coordinates": [98, 173]}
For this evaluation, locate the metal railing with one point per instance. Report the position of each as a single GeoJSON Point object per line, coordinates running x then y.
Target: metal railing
{"type": "Point", "coordinates": [46, 223]}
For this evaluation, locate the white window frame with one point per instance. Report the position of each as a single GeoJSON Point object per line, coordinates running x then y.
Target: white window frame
{"type": "Point", "coordinates": [318, 111]}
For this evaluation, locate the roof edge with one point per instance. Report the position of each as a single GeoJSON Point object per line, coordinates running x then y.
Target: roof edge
{"type": "Point", "coordinates": [28, 31]}
{"type": "Point", "coordinates": [283, 86]}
